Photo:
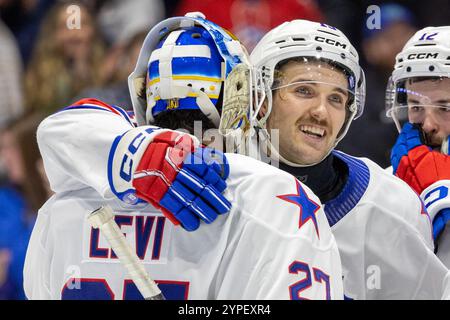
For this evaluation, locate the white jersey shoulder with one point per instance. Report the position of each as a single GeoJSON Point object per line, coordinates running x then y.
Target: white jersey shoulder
{"type": "Point", "coordinates": [75, 143]}
{"type": "Point", "coordinates": [381, 227]}
{"type": "Point", "coordinates": [403, 202]}
{"type": "Point", "coordinates": [442, 245]}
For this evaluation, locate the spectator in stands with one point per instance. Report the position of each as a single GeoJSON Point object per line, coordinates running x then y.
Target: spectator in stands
{"type": "Point", "coordinates": [11, 72]}
{"type": "Point", "coordinates": [116, 91]}
{"type": "Point", "coordinates": [67, 58]}
{"type": "Point", "coordinates": [20, 198]}
{"type": "Point", "coordinates": [23, 18]}
{"type": "Point", "coordinates": [119, 20]}
{"type": "Point", "coordinates": [249, 20]}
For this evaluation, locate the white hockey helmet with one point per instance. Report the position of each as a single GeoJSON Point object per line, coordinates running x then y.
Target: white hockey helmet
{"type": "Point", "coordinates": [314, 42]}
{"type": "Point", "coordinates": [183, 64]}
{"type": "Point", "coordinates": [426, 56]}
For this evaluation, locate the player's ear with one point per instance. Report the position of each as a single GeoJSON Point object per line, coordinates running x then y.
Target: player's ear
{"type": "Point", "coordinates": [263, 110]}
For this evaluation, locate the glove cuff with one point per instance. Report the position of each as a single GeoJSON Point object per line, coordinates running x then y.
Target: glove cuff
{"type": "Point", "coordinates": [124, 157]}
{"type": "Point", "coordinates": [436, 197]}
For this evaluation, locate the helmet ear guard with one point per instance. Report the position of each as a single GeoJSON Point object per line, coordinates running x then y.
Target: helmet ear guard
{"type": "Point", "coordinates": [355, 108]}
{"type": "Point", "coordinates": [188, 58]}
{"type": "Point", "coordinates": [389, 102]}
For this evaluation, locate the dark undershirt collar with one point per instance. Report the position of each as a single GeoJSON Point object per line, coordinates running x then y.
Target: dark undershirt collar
{"type": "Point", "coordinates": [326, 179]}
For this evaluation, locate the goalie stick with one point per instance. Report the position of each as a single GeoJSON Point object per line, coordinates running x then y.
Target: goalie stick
{"type": "Point", "coordinates": [103, 219]}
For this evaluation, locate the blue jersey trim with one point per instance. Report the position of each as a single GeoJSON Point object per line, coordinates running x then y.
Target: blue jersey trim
{"type": "Point", "coordinates": [354, 189]}
{"type": "Point", "coordinates": [130, 193]}
{"type": "Point", "coordinates": [120, 195]}
{"type": "Point", "coordinates": [124, 114]}
{"type": "Point", "coordinates": [94, 107]}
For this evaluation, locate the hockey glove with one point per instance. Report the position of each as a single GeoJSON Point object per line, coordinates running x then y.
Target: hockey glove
{"type": "Point", "coordinates": [173, 173]}
{"type": "Point", "coordinates": [416, 163]}
{"type": "Point", "coordinates": [437, 201]}
{"type": "Point", "coordinates": [426, 171]}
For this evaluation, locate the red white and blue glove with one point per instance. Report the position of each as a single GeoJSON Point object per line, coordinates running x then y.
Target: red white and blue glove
{"type": "Point", "coordinates": [416, 163]}
{"type": "Point", "coordinates": [171, 171]}
{"type": "Point", "coordinates": [437, 201]}
{"type": "Point", "coordinates": [426, 171]}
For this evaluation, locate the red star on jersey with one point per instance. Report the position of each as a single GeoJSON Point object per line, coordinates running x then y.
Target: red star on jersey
{"type": "Point", "coordinates": [308, 208]}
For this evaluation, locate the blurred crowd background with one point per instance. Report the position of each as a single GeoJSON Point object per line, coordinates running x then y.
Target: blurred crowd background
{"type": "Point", "coordinates": [46, 63]}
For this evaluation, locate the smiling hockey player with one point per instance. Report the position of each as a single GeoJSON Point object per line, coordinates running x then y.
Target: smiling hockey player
{"type": "Point", "coordinates": [309, 87]}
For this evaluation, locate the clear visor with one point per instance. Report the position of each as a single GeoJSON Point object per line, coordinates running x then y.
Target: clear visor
{"type": "Point", "coordinates": [307, 78]}
{"type": "Point", "coordinates": [418, 98]}
{"type": "Point", "coordinates": [301, 69]}
{"type": "Point", "coordinates": [330, 94]}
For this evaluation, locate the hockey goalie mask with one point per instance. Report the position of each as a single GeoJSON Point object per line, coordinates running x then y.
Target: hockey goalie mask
{"type": "Point", "coordinates": [326, 58]}
{"type": "Point", "coordinates": [419, 88]}
{"type": "Point", "coordinates": [183, 64]}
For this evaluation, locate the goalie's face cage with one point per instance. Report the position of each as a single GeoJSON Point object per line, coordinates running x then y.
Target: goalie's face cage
{"type": "Point", "coordinates": [424, 101]}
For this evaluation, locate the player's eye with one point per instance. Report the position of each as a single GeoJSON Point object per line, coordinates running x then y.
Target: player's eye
{"type": "Point", "coordinates": [444, 108]}
{"type": "Point", "coordinates": [416, 109]}
{"type": "Point", "coordinates": [304, 91]}
{"type": "Point", "coordinates": [443, 112]}
{"type": "Point", "coordinates": [337, 100]}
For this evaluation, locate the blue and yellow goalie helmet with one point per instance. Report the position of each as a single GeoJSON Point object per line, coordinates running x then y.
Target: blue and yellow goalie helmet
{"type": "Point", "coordinates": [183, 64]}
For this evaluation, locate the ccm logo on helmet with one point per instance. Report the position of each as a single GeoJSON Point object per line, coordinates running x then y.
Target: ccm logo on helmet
{"type": "Point", "coordinates": [423, 55]}
{"type": "Point", "coordinates": [330, 41]}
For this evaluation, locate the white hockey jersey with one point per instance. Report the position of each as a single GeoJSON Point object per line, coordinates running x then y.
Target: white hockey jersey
{"type": "Point", "coordinates": [275, 243]}
{"type": "Point", "coordinates": [443, 246]}
{"type": "Point", "coordinates": [442, 243]}
{"type": "Point", "coordinates": [384, 237]}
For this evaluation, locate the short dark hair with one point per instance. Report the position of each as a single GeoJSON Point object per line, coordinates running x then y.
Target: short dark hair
{"type": "Point", "coordinates": [182, 119]}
